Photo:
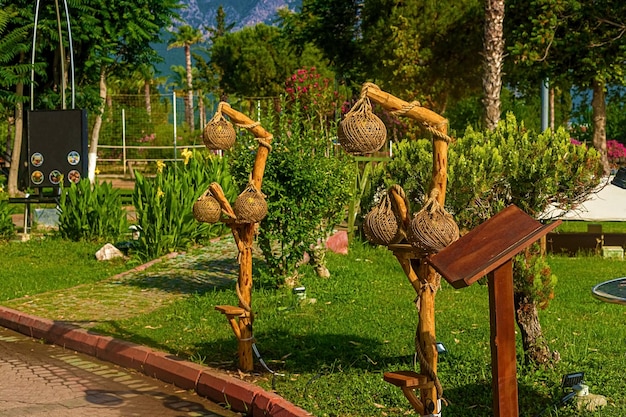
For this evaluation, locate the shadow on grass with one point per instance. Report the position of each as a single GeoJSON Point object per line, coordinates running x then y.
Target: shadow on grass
{"type": "Point", "coordinates": [198, 276]}
{"type": "Point", "coordinates": [478, 398]}
{"type": "Point", "coordinates": [192, 278]}
{"type": "Point", "coordinates": [311, 353]}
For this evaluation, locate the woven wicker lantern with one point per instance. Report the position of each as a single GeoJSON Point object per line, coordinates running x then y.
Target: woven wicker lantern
{"type": "Point", "coordinates": [433, 228]}
{"type": "Point", "coordinates": [219, 133]}
{"type": "Point", "coordinates": [380, 225]}
{"type": "Point", "coordinates": [206, 208]}
{"type": "Point", "coordinates": [361, 131]}
{"type": "Point", "coordinates": [250, 206]}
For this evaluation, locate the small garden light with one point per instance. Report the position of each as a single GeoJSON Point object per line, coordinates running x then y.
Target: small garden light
{"type": "Point", "coordinates": [570, 380]}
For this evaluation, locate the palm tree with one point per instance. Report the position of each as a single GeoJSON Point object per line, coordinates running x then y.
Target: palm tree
{"type": "Point", "coordinates": [14, 71]}
{"type": "Point", "coordinates": [493, 56]}
{"type": "Point", "coordinates": [184, 38]}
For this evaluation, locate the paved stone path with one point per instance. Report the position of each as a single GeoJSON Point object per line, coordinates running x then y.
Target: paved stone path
{"type": "Point", "coordinates": [138, 291]}
{"type": "Point", "coordinates": [38, 379]}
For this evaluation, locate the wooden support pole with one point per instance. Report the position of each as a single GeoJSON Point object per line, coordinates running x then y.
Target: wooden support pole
{"type": "Point", "coordinates": [244, 282]}
{"type": "Point", "coordinates": [503, 360]}
{"type": "Point", "coordinates": [426, 331]}
{"type": "Point", "coordinates": [428, 277]}
{"type": "Point", "coordinates": [244, 235]}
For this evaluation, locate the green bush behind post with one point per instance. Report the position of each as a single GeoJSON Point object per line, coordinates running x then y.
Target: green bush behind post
{"type": "Point", "coordinates": [306, 185]}
{"type": "Point", "coordinates": [91, 212]}
{"type": "Point", "coordinates": [490, 170]}
{"type": "Point", "coordinates": [163, 204]}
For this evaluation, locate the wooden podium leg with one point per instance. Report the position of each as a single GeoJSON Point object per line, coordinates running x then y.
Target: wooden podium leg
{"type": "Point", "coordinates": [503, 358]}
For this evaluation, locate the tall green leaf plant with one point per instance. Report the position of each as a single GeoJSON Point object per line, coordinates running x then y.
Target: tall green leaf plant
{"type": "Point", "coordinates": [164, 203]}
{"type": "Point", "coordinates": [91, 212]}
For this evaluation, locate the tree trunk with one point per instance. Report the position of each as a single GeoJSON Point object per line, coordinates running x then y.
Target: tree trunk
{"type": "Point", "coordinates": [536, 349]}
{"type": "Point", "coordinates": [551, 107]}
{"type": "Point", "coordinates": [95, 133]}
{"type": "Point", "coordinates": [201, 110]}
{"type": "Point", "coordinates": [146, 94]}
{"type": "Point", "coordinates": [189, 103]}
{"type": "Point", "coordinates": [598, 105]}
{"type": "Point", "coordinates": [493, 57]}
{"type": "Point", "coordinates": [17, 143]}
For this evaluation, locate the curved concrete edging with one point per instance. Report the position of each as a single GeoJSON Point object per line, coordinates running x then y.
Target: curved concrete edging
{"type": "Point", "coordinates": [240, 395]}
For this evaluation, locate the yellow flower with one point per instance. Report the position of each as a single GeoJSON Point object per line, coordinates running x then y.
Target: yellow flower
{"type": "Point", "coordinates": [159, 193]}
{"type": "Point", "coordinates": [97, 171]}
{"type": "Point", "coordinates": [187, 154]}
{"type": "Point", "coordinates": [160, 166]}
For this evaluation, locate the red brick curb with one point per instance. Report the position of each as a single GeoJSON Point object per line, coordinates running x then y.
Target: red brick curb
{"type": "Point", "coordinates": [241, 396]}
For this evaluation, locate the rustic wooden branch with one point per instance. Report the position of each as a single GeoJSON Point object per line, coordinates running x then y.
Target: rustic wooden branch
{"type": "Point", "coordinates": [259, 132]}
{"type": "Point", "coordinates": [421, 275]}
{"type": "Point", "coordinates": [218, 193]}
{"type": "Point", "coordinates": [244, 237]}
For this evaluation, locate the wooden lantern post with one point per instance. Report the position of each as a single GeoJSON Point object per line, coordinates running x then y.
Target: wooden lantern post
{"type": "Point", "coordinates": [423, 278]}
{"type": "Point", "coordinates": [240, 318]}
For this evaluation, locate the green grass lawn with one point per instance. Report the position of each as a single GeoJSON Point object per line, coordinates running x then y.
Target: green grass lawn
{"type": "Point", "coordinates": [575, 226]}
{"type": "Point", "coordinates": [41, 265]}
{"type": "Point", "coordinates": [360, 323]}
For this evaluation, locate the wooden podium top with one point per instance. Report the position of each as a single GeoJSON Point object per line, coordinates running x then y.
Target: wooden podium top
{"type": "Point", "coordinates": [488, 246]}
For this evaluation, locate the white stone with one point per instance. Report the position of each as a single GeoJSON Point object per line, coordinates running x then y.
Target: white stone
{"type": "Point", "coordinates": [108, 252]}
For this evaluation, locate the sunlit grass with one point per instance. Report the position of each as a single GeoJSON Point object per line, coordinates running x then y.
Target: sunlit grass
{"type": "Point", "coordinates": [41, 265]}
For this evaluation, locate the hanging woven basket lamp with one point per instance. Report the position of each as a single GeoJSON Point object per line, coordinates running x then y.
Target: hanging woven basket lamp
{"type": "Point", "coordinates": [433, 228]}
{"type": "Point", "coordinates": [250, 206]}
{"type": "Point", "coordinates": [380, 225]}
{"type": "Point", "coordinates": [219, 133]}
{"type": "Point", "coordinates": [361, 131]}
{"type": "Point", "coordinates": [206, 208]}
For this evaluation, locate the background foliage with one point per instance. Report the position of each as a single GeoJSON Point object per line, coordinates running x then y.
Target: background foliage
{"type": "Point", "coordinates": [7, 229]}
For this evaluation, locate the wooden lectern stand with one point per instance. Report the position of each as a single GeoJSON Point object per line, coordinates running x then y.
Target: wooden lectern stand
{"type": "Point", "coordinates": [488, 250]}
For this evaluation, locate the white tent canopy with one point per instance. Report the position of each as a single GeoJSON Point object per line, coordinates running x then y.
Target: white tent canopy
{"type": "Point", "coordinates": [607, 203]}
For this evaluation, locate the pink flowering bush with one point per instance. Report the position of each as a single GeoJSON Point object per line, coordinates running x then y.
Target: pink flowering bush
{"type": "Point", "coordinates": [314, 92]}
{"type": "Point", "coordinates": [616, 153]}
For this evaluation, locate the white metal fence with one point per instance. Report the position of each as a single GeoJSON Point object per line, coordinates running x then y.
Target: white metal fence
{"type": "Point", "coordinates": [137, 131]}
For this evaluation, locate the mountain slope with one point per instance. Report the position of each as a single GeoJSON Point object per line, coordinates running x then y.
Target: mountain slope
{"type": "Point", "coordinates": [201, 13]}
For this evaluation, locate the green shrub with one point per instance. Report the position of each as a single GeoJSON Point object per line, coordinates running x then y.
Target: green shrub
{"type": "Point", "coordinates": [490, 170]}
{"type": "Point", "coordinates": [307, 187]}
{"type": "Point", "coordinates": [91, 212]}
{"type": "Point", "coordinates": [164, 203]}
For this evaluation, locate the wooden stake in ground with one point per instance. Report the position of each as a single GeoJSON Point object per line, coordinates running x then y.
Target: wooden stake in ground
{"type": "Point", "coordinates": [241, 317]}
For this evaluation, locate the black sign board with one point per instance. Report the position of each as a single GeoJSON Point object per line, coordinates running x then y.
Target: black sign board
{"type": "Point", "coordinates": [55, 148]}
